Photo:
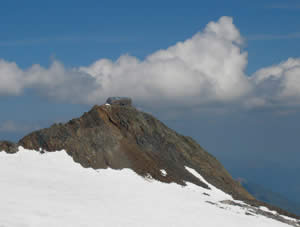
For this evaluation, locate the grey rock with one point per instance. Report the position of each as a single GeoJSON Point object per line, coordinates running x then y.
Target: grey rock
{"type": "Point", "coordinates": [122, 101]}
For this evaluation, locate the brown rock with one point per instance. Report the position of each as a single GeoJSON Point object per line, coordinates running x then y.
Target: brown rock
{"type": "Point", "coordinates": [8, 147]}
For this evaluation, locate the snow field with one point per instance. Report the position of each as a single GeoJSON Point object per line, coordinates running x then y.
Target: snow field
{"type": "Point", "coordinates": [51, 190]}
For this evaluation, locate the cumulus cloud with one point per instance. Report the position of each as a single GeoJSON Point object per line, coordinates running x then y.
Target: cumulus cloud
{"type": "Point", "coordinates": [207, 68]}
{"type": "Point", "coordinates": [54, 82]}
{"type": "Point", "coordinates": [278, 84]}
{"type": "Point", "coordinates": [11, 78]}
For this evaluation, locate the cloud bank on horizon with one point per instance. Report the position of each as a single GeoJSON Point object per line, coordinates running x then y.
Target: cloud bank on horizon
{"type": "Point", "coordinates": [206, 69]}
{"type": "Point", "coordinates": [13, 127]}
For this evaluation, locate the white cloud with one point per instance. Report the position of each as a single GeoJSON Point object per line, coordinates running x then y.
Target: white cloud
{"type": "Point", "coordinates": [278, 84]}
{"type": "Point", "coordinates": [11, 78]}
{"type": "Point", "coordinates": [207, 69]}
{"type": "Point", "coordinates": [60, 83]}
{"type": "Point", "coordinates": [54, 82]}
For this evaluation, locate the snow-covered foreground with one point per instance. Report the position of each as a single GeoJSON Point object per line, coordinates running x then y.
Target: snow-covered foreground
{"type": "Point", "coordinates": [51, 190]}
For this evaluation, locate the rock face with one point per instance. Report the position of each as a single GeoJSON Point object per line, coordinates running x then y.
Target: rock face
{"type": "Point", "coordinates": [9, 147]}
{"type": "Point", "coordinates": [119, 136]}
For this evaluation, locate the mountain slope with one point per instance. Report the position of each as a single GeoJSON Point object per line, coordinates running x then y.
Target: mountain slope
{"type": "Point", "coordinates": [118, 136]}
{"type": "Point", "coordinates": [51, 190]}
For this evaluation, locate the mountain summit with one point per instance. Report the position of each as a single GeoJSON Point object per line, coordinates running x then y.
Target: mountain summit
{"type": "Point", "coordinates": [116, 135]}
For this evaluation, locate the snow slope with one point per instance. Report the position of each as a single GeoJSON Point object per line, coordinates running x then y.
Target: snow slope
{"type": "Point", "coordinates": [51, 190]}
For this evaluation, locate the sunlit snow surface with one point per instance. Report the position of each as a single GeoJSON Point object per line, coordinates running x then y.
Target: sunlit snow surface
{"type": "Point", "coordinates": [51, 190]}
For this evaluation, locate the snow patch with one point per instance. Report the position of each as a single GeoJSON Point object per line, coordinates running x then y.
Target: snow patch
{"type": "Point", "coordinates": [163, 172]}
{"type": "Point", "coordinates": [266, 209]}
{"type": "Point", "coordinates": [217, 194]}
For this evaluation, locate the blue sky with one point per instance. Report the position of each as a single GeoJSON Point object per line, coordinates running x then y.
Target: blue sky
{"type": "Point", "coordinates": [251, 127]}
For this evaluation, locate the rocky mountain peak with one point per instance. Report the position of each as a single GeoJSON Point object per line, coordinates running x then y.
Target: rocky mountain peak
{"type": "Point", "coordinates": [117, 135]}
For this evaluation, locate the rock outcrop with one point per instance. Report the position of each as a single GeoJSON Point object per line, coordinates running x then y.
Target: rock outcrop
{"type": "Point", "coordinates": [8, 146]}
